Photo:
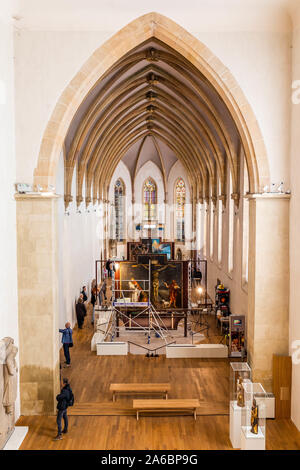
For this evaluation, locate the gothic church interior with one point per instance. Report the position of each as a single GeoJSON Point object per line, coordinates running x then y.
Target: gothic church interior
{"type": "Point", "coordinates": [152, 157]}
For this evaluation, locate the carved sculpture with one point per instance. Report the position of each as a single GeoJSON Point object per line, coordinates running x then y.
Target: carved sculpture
{"type": "Point", "coordinates": [254, 417]}
{"type": "Point", "coordinates": [8, 387]}
{"type": "Point", "coordinates": [240, 392]}
{"type": "Point", "coordinates": [10, 378]}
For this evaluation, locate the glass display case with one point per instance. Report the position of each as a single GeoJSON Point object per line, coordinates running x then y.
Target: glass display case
{"type": "Point", "coordinates": [240, 373]}
{"type": "Point", "coordinates": [253, 417]}
{"type": "Point", "coordinates": [237, 335]}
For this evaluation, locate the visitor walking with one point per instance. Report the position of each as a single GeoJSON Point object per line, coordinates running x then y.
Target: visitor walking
{"type": "Point", "coordinates": [64, 399]}
{"type": "Point", "coordinates": [67, 341]}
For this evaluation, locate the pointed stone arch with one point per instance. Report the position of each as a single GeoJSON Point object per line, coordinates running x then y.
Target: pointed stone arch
{"type": "Point", "coordinates": [139, 30]}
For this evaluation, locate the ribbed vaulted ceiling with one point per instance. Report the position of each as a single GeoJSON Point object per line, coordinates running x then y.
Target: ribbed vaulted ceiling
{"type": "Point", "coordinates": [152, 92]}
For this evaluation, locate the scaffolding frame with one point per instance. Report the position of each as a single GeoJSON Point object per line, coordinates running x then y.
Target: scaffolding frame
{"type": "Point", "coordinates": [155, 322]}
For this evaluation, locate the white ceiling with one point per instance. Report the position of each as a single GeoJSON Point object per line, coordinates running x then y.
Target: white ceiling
{"type": "Point", "coordinates": [111, 15]}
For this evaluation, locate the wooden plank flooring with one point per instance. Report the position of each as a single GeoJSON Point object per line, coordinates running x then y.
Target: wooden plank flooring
{"type": "Point", "coordinates": [97, 423]}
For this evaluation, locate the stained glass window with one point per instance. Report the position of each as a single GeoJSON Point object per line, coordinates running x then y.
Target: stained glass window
{"type": "Point", "coordinates": [150, 200]}
{"type": "Point", "coordinates": [179, 212]}
{"type": "Point", "coordinates": [119, 210]}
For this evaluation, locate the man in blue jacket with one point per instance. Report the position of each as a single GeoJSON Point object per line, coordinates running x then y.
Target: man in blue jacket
{"type": "Point", "coordinates": [64, 399]}
{"type": "Point", "coordinates": [67, 341]}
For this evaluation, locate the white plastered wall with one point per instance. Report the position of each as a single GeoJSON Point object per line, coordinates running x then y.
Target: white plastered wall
{"type": "Point", "coordinates": [232, 279]}
{"type": "Point", "coordinates": [8, 269]}
{"type": "Point", "coordinates": [78, 247]}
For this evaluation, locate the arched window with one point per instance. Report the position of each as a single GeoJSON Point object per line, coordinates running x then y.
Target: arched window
{"type": "Point", "coordinates": [119, 209]}
{"type": "Point", "coordinates": [179, 212]}
{"type": "Point", "coordinates": [150, 200]}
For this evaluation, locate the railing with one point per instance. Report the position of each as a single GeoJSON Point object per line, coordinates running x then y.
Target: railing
{"type": "Point", "coordinates": [153, 351]}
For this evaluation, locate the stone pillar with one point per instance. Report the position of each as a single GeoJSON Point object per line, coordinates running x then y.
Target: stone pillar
{"type": "Point", "coordinates": [268, 285]}
{"type": "Point", "coordinates": [38, 302]}
{"type": "Point", "coordinates": [198, 227]}
{"type": "Point", "coordinates": [106, 229]}
{"type": "Point", "coordinates": [166, 217]}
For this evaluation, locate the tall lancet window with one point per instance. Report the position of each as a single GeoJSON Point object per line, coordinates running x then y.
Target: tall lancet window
{"type": "Point", "coordinates": [150, 200]}
{"type": "Point", "coordinates": [119, 209]}
{"type": "Point", "coordinates": [179, 212]}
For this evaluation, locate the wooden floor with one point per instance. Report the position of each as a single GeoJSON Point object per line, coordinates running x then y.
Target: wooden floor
{"type": "Point", "coordinates": [97, 423]}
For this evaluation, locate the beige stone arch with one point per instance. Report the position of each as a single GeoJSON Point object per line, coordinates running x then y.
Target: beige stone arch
{"type": "Point", "coordinates": [139, 30]}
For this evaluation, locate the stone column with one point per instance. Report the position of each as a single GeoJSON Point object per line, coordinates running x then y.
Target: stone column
{"type": "Point", "coordinates": [38, 302]}
{"type": "Point", "coordinates": [132, 224]}
{"type": "Point", "coordinates": [106, 229]}
{"type": "Point", "coordinates": [166, 217]}
{"type": "Point", "coordinates": [268, 285]}
{"type": "Point", "coordinates": [197, 227]}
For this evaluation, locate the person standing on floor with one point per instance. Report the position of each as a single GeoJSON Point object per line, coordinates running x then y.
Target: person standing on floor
{"type": "Point", "coordinates": [80, 312]}
{"type": "Point", "coordinates": [93, 302]}
{"type": "Point", "coordinates": [64, 399]}
{"type": "Point", "coordinates": [67, 341]}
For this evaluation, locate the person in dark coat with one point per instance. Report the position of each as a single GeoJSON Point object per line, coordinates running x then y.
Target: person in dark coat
{"type": "Point", "coordinates": [93, 302]}
{"type": "Point", "coordinates": [63, 400]}
{"type": "Point", "coordinates": [80, 312]}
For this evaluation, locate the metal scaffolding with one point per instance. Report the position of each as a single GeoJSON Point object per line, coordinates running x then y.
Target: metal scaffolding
{"type": "Point", "coordinates": [119, 300]}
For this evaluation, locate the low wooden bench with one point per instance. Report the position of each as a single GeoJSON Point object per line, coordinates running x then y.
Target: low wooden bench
{"type": "Point", "coordinates": [140, 388]}
{"type": "Point", "coordinates": [166, 405]}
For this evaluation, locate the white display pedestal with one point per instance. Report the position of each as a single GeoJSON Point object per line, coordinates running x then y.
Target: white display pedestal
{"type": "Point", "coordinates": [16, 439]}
{"type": "Point", "coordinates": [112, 349]}
{"type": "Point", "coordinates": [250, 441]}
{"type": "Point", "coordinates": [235, 424]}
{"type": "Point", "coordinates": [197, 350]}
{"type": "Point", "coordinates": [97, 338]}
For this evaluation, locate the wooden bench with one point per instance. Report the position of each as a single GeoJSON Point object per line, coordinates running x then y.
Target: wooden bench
{"type": "Point", "coordinates": [140, 388]}
{"type": "Point", "coordinates": [166, 405]}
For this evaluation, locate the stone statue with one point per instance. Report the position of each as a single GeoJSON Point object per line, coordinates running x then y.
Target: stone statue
{"type": "Point", "coordinates": [8, 388]}
{"type": "Point", "coordinates": [10, 377]}
{"type": "Point", "coordinates": [240, 392]}
{"type": "Point", "coordinates": [254, 417]}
